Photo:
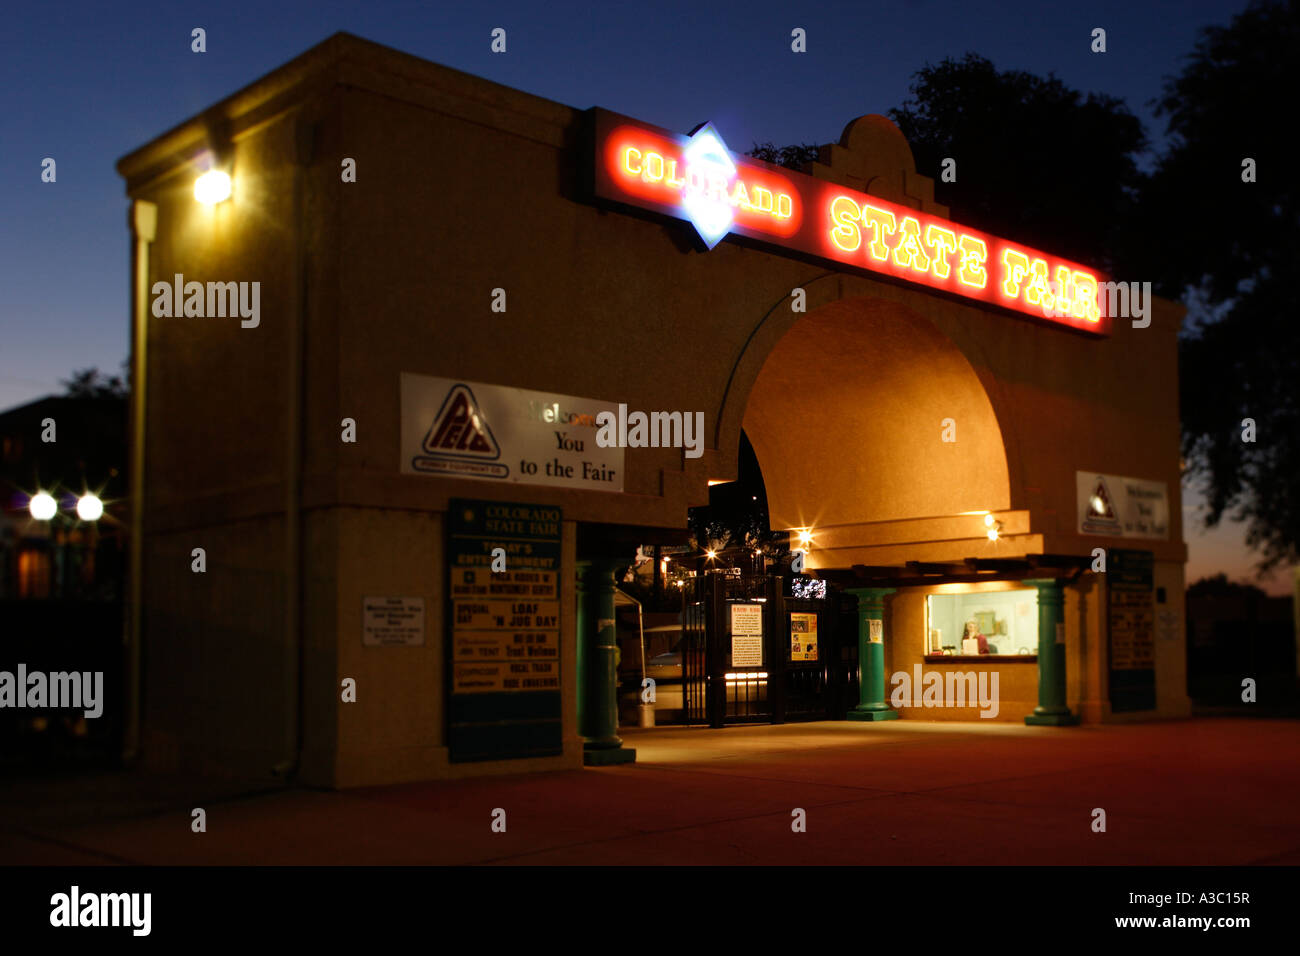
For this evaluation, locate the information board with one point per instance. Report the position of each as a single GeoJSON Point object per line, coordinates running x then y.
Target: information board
{"type": "Point", "coordinates": [1131, 620]}
{"type": "Point", "coordinates": [746, 635]}
{"type": "Point", "coordinates": [803, 636]}
{"type": "Point", "coordinates": [503, 656]}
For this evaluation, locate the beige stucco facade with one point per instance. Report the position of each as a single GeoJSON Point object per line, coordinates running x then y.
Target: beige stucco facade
{"type": "Point", "coordinates": [463, 187]}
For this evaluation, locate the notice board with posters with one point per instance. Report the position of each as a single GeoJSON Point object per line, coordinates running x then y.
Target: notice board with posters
{"type": "Point", "coordinates": [503, 651]}
{"type": "Point", "coordinates": [803, 636]}
{"type": "Point", "coordinates": [1131, 624]}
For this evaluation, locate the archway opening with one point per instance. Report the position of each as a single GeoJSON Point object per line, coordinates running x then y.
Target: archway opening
{"type": "Point", "coordinates": [864, 414]}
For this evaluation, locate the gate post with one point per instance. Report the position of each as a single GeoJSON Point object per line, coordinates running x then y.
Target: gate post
{"type": "Point", "coordinates": [718, 623]}
{"type": "Point", "coordinates": [871, 656]}
{"type": "Point", "coordinates": [598, 664]}
{"type": "Point", "coordinates": [776, 641]}
{"type": "Point", "coordinates": [1052, 710]}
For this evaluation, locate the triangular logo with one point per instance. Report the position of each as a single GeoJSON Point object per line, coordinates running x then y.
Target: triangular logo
{"type": "Point", "coordinates": [1099, 505]}
{"type": "Point", "coordinates": [460, 429]}
{"type": "Point", "coordinates": [1099, 513]}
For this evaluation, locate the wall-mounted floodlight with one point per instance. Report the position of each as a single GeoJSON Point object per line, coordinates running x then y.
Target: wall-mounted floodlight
{"type": "Point", "coordinates": [212, 187]}
{"type": "Point", "coordinates": [42, 506]}
{"type": "Point", "coordinates": [90, 508]}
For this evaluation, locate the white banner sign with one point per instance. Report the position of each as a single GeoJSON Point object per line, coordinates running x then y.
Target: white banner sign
{"type": "Point", "coordinates": [1121, 507]}
{"type": "Point", "coordinates": [458, 429]}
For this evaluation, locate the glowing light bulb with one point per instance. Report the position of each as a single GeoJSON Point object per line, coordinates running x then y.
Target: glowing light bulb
{"type": "Point", "coordinates": [42, 506]}
{"type": "Point", "coordinates": [212, 187]}
{"type": "Point", "coordinates": [90, 508]}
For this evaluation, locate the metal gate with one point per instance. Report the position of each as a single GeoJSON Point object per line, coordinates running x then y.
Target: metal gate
{"type": "Point", "coordinates": [803, 667]}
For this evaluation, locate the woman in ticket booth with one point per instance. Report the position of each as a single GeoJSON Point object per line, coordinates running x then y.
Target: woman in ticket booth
{"type": "Point", "coordinates": [973, 634]}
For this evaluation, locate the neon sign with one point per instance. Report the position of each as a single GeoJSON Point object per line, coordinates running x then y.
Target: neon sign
{"type": "Point", "coordinates": [696, 178]}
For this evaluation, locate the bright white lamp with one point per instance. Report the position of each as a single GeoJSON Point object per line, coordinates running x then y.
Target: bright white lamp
{"type": "Point", "coordinates": [42, 506]}
{"type": "Point", "coordinates": [90, 508]}
{"type": "Point", "coordinates": [212, 187]}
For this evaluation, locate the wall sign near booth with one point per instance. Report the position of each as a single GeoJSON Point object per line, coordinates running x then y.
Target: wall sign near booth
{"type": "Point", "coordinates": [696, 178]}
{"type": "Point", "coordinates": [392, 621]}
{"type": "Point", "coordinates": [1131, 624]}
{"type": "Point", "coordinates": [503, 658]}
{"type": "Point", "coordinates": [458, 429]}
{"type": "Point", "coordinates": [1121, 507]}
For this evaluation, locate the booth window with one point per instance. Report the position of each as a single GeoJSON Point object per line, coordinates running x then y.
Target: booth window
{"type": "Point", "coordinates": [1004, 623]}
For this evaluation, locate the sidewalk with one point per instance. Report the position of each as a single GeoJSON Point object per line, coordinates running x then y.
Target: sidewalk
{"type": "Point", "coordinates": [1207, 791]}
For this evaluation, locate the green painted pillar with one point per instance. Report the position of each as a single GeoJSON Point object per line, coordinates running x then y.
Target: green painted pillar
{"type": "Point", "coordinates": [1052, 710]}
{"type": "Point", "coordinates": [598, 664]}
{"type": "Point", "coordinates": [871, 656]}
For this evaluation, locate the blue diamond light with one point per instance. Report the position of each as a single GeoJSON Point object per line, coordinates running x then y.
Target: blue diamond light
{"type": "Point", "coordinates": [709, 172]}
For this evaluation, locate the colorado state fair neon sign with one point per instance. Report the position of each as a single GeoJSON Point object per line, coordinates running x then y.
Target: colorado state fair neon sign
{"type": "Point", "coordinates": [696, 178]}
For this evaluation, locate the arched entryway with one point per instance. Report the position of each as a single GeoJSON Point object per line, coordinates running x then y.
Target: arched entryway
{"type": "Point", "coordinates": [864, 412]}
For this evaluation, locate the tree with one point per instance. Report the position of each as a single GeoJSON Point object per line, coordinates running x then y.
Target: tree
{"type": "Point", "coordinates": [1036, 161]}
{"type": "Point", "coordinates": [1234, 244]}
{"type": "Point", "coordinates": [791, 157]}
{"type": "Point", "coordinates": [91, 383]}
{"type": "Point", "coordinates": [1218, 585]}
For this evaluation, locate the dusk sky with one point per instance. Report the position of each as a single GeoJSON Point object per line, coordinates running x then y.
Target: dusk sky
{"type": "Point", "coordinates": [85, 83]}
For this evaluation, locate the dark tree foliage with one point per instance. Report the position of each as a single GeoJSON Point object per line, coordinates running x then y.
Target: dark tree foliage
{"type": "Point", "coordinates": [91, 383]}
{"type": "Point", "coordinates": [1238, 244]}
{"type": "Point", "coordinates": [1036, 161]}
{"type": "Point", "coordinates": [791, 157]}
{"type": "Point", "coordinates": [1218, 585]}
{"type": "Point", "coordinates": [736, 515]}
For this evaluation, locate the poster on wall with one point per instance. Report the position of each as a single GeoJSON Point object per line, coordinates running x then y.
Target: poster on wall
{"type": "Point", "coordinates": [1121, 507]}
{"type": "Point", "coordinates": [503, 651]}
{"type": "Point", "coordinates": [1131, 625]}
{"type": "Point", "coordinates": [453, 428]}
{"type": "Point", "coordinates": [746, 635]}
{"type": "Point", "coordinates": [803, 636]}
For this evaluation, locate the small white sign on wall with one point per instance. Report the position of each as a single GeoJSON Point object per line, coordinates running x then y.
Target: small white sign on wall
{"type": "Point", "coordinates": [392, 621]}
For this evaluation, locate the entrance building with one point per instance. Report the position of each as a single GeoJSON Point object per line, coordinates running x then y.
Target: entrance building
{"type": "Point", "coordinates": [413, 392]}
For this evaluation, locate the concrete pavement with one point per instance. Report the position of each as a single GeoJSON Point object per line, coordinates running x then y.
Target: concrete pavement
{"type": "Point", "coordinates": [1206, 791]}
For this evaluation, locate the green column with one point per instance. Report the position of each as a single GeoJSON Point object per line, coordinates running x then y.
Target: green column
{"type": "Point", "coordinates": [1052, 710]}
{"type": "Point", "coordinates": [871, 656]}
{"type": "Point", "coordinates": [598, 664]}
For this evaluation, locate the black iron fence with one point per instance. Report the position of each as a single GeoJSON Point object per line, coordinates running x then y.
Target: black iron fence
{"type": "Point", "coordinates": [754, 653]}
